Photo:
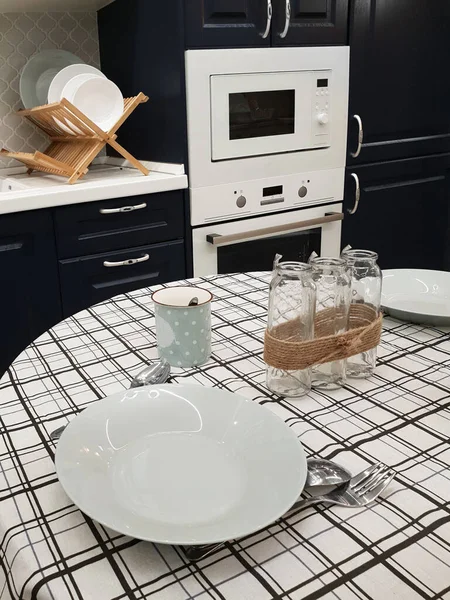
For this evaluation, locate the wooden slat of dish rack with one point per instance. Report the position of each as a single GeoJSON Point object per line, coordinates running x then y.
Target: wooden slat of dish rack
{"type": "Point", "coordinates": [70, 155]}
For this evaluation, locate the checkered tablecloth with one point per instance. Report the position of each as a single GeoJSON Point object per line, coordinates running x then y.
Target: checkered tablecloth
{"type": "Point", "coordinates": [398, 548]}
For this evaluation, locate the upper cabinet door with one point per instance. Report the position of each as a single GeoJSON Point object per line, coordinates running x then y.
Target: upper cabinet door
{"type": "Point", "coordinates": [309, 22]}
{"type": "Point", "coordinates": [400, 78]}
{"type": "Point", "coordinates": [228, 23]}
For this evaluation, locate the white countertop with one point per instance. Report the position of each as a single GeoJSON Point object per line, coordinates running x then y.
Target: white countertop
{"type": "Point", "coordinates": [107, 178]}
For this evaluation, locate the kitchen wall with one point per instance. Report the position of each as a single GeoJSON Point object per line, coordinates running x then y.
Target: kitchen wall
{"type": "Point", "coordinates": [21, 36]}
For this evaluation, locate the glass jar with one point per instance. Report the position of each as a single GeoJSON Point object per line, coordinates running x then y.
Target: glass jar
{"type": "Point", "coordinates": [366, 280]}
{"type": "Point", "coordinates": [292, 301]}
{"type": "Point", "coordinates": [332, 281]}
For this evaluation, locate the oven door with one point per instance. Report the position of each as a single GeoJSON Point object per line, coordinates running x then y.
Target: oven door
{"type": "Point", "coordinates": [251, 244]}
{"type": "Point", "coordinates": [268, 113]}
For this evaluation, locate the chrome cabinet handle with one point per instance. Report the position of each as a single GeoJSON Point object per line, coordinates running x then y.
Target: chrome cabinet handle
{"type": "Point", "coordinates": [287, 21]}
{"type": "Point", "coordinates": [125, 263]}
{"type": "Point", "coordinates": [360, 136]}
{"type": "Point", "coordinates": [357, 195]}
{"type": "Point", "coordinates": [122, 209]}
{"type": "Point", "coordinates": [269, 20]}
{"type": "Point", "coordinates": [217, 239]}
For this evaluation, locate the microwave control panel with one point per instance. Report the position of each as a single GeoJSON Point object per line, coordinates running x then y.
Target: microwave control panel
{"type": "Point", "coordinates": [321, 109]}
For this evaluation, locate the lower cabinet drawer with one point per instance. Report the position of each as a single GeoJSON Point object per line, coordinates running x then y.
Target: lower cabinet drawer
{"type": "Point", "coordinates": [91, 279]}
{"type": "Point", "coordinates": [92, 227]}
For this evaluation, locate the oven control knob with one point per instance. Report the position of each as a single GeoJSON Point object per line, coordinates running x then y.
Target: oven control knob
{"type": "Point", "coordinates": [241, 201]}
{"type": "Point", "coordinates": [302, 191]}
{"type": "Point", "coordinates": [322, 118]}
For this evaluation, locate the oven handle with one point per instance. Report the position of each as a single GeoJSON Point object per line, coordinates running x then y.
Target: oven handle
{"type": "Point", "coordinates": [216, 239]}
{"type": "Point", "coordinates": [269, 20]}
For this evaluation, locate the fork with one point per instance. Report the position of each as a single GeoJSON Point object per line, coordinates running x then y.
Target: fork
{"type": "Point", "coordinates": [361, 490]}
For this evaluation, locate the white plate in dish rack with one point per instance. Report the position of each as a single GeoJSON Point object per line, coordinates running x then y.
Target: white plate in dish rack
{"type": "Point", "coordinates": [97, 97]}
{"type": "Point", "coordinates": [65, 75]}
{"type": "Point", "coordinates": [181, 464]}
{"type": "Point", "coordinates": [417, 295]}
{"type": "Point", "coordinates": [39, 72]}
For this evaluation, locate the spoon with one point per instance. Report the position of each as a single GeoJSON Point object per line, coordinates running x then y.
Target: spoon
{"type": "Point", "coordinates": [156, 373]}
{"type": "Point", "coordinates": [193, 301]}
{"type": "Point", "coordinates": [325, 472]}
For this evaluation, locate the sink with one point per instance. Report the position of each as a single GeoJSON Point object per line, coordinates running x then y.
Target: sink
{"type": "Point", "coordinates": [8, 184]}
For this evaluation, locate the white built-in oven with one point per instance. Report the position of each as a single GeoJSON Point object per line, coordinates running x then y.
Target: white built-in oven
{"type": "Point", "coordinates": [267, 134]}
{"type": "Point", "coordinates": [251, 244]}
{"type": "Point", "coordinates": [263, 112]}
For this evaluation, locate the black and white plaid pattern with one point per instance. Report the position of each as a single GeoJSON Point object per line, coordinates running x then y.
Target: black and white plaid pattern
{"type": "Point", "coordinates": [399, 548]}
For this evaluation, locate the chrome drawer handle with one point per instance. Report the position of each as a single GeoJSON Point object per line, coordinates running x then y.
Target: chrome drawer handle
{"type": "Point", "coordinates": [360, 136]}
{"type": "Point", "coordinates": [357, 195]}
{"type": "Point", "coordinates": [122, 209]}
{"type": "Point", "coordinates": [125, 263]}
{"type": "Point", "coordinates": [269, 20]}
{"type": "Point", "coordinates": [287, 21]}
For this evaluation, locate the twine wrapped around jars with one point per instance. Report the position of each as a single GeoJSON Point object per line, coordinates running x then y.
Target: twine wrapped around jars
{"type": "Point", "coordinates": [284, 349]}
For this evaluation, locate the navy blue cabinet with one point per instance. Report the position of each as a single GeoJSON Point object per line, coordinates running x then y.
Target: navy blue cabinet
{"type": "Point", "coordinates": [88, 280]}
{"type": "Point", "coordinates": [310, 22]}
{"type": "Point", "coordinates": [227, 23]}
{"type": "Point", "coordinates": [119, 223]}
{"type": "Point", "coordinates": [402, 213]}
{"type": "Point", "coordinates": [115, 246]}
{"type": "Point", "coordinates": [247, 23]}
{"type": "Point", "coordinates": [399, 78]}
{"type": "Point", "coordinates": [142, 49]}
{"type": "Point", "coordinates": [30, 300]}
{"type": "Point", "coordinates": [399, 85]}
{"type": "Point", "coordinates": [56, 262]}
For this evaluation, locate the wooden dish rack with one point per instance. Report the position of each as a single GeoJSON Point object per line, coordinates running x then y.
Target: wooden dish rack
{"type": "Point", "coordinates": [70, 155]}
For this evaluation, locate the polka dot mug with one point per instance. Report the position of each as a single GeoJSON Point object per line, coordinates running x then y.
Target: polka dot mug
{"type": "Point", "coordinates": [183, 332]}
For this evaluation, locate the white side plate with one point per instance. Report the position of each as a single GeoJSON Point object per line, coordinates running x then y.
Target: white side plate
{"type": "Point", "coordinates": [181, 464]}
{"type": "Point", "coordinates": [417, 295]}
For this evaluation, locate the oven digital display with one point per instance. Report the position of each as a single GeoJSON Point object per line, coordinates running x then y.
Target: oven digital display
{"type": "Point", "coordinates": [322, 83]}
{"type": "Point", "coordinates": [272, 191]}
{"type": "Point", "coordinates": [261, 114]}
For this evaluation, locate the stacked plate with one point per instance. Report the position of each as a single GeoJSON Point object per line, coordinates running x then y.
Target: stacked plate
{"type": "Point", "coordinates": [55, 74]}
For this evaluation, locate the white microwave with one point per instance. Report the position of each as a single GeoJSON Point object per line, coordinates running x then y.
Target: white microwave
{"type": "Point", "coordinates": [265, 112]}
{"type": "Point", "coordinates": [268, 113]}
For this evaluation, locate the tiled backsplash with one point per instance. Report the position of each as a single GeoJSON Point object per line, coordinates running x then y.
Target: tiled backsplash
{"type": "Point", "coordinates": [21, 36]}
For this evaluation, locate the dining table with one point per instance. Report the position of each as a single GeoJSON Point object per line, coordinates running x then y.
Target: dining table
{"type": "Point", "coordinates": [396, 548]}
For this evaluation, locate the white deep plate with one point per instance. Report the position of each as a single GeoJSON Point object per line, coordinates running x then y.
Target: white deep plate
{"type": "Point", "coordinates": [181, 464]}
{"type": "Point", "coordinates": [417, 295]}
{"type": "Point", "coordinates": [97, 97]}
{"type": "Point", "coordinates": [64, 76]}
{"type": "Point", "coordinates": [39, 72]}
